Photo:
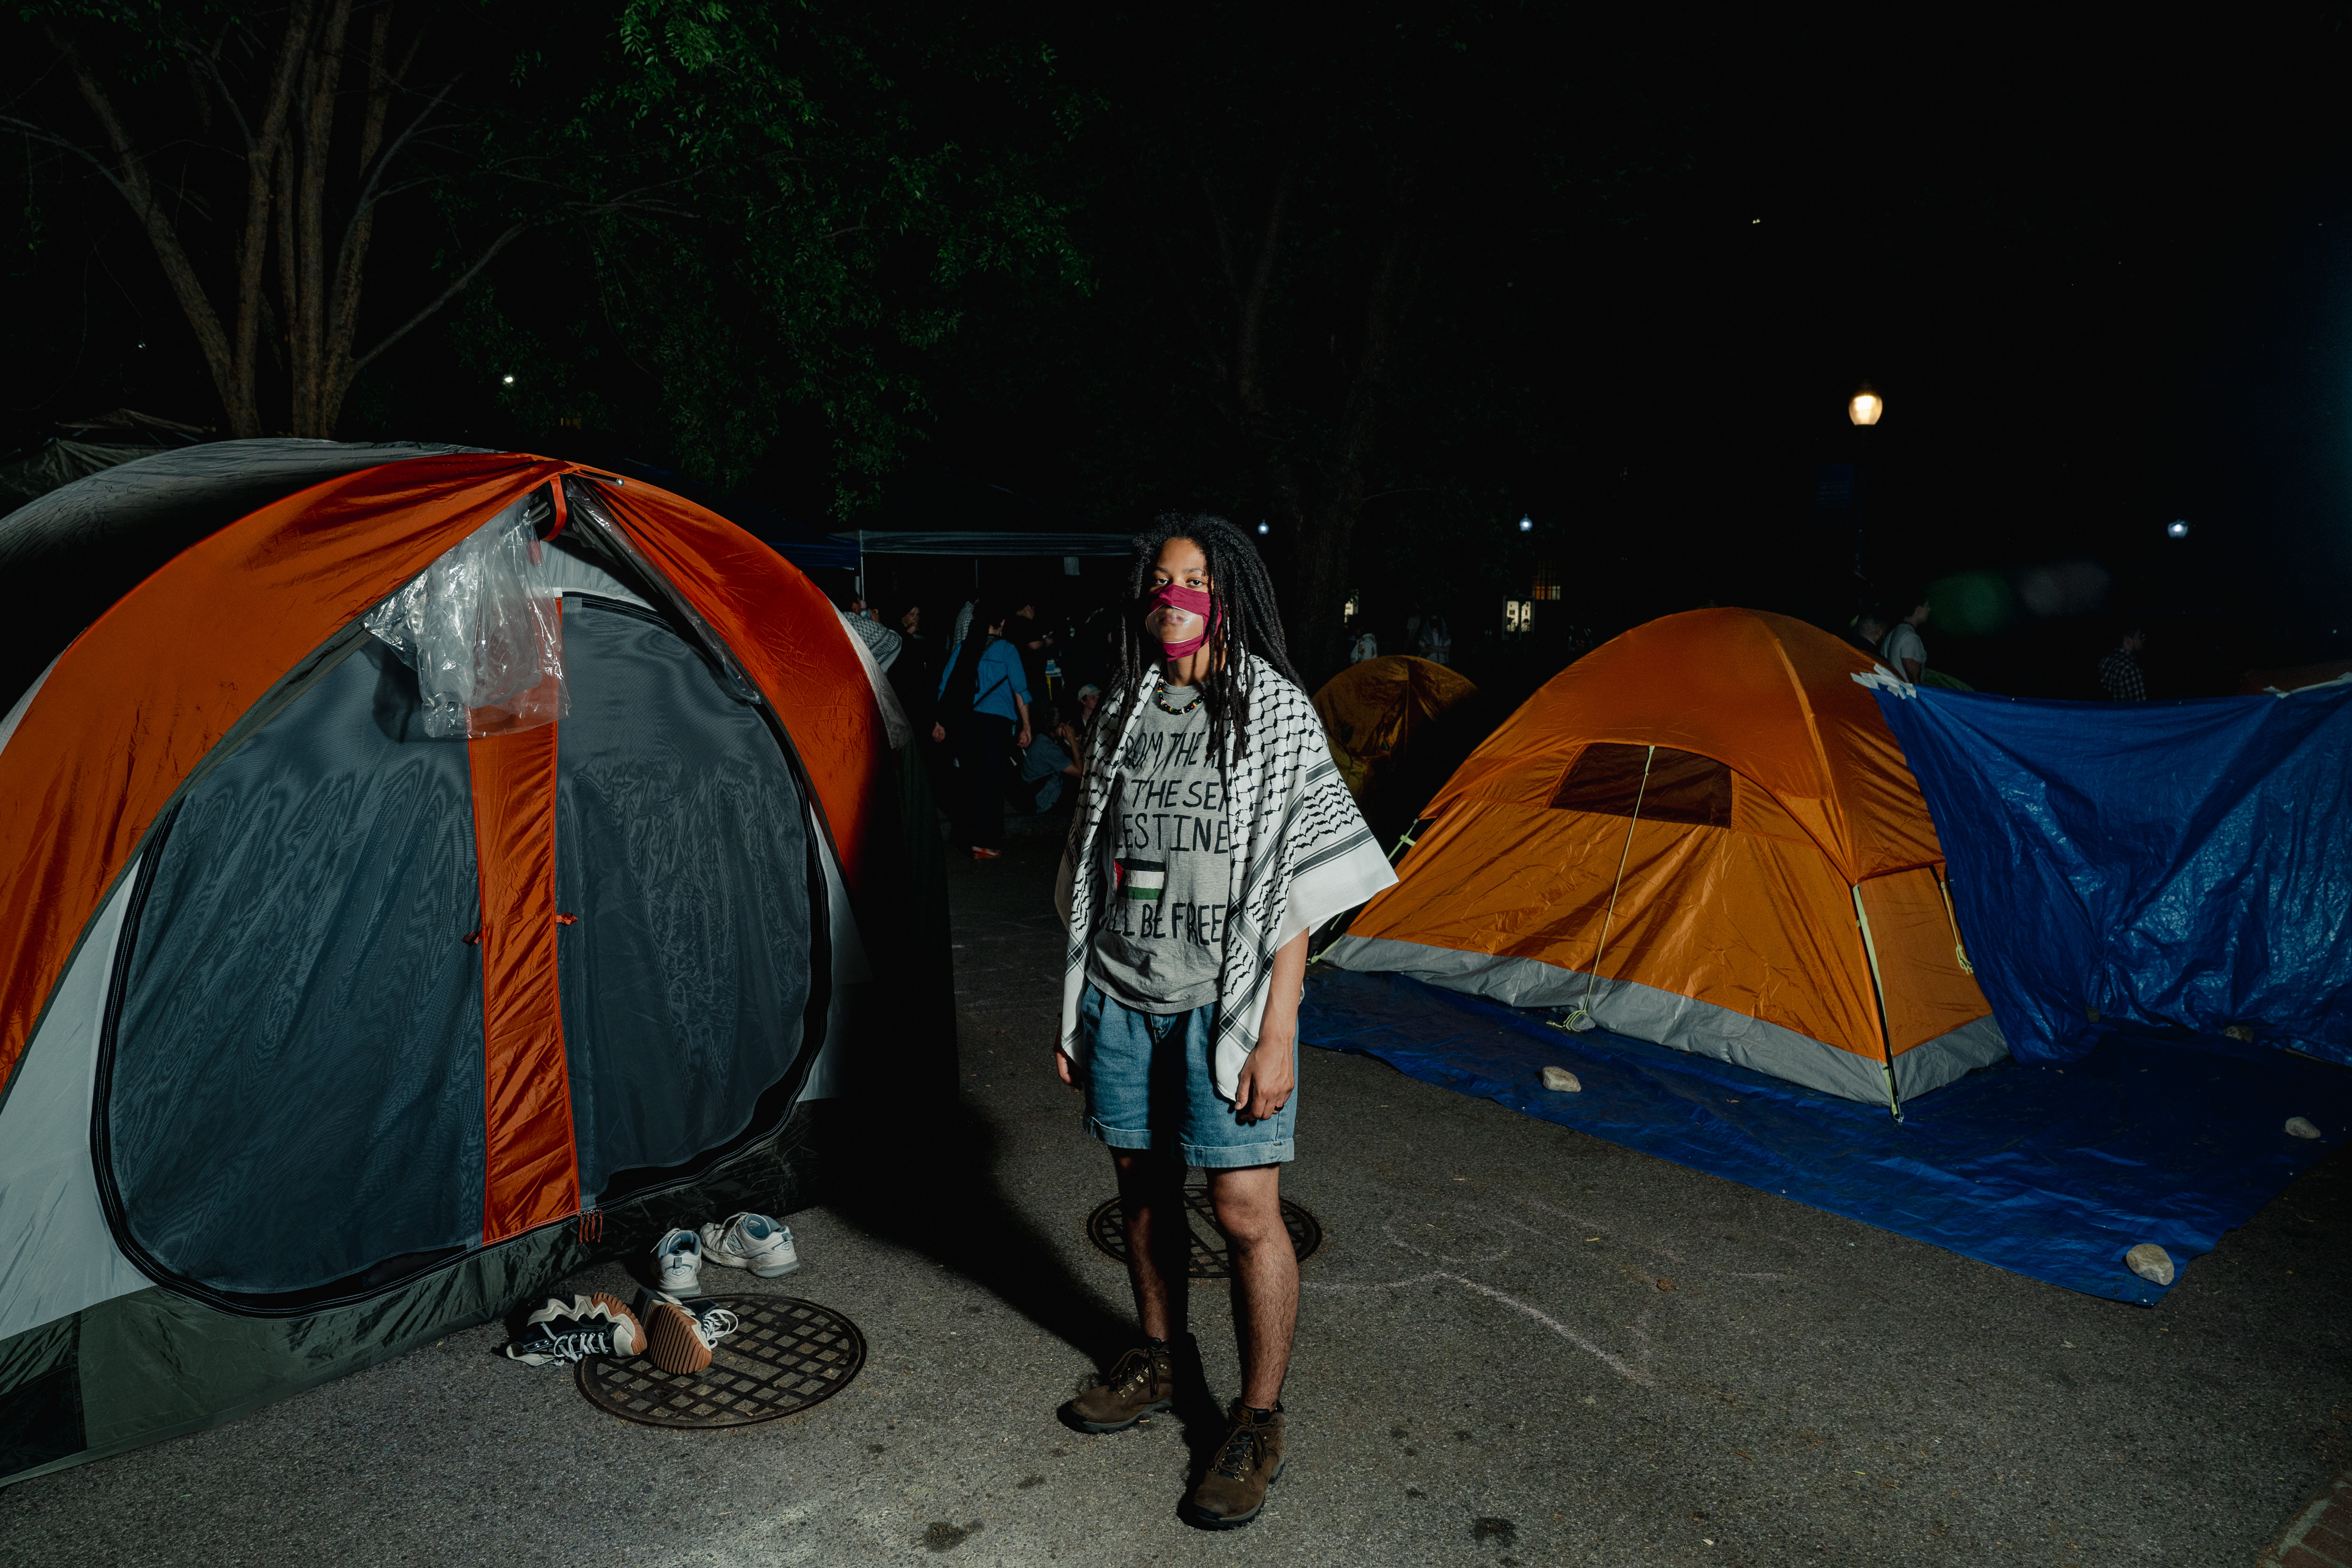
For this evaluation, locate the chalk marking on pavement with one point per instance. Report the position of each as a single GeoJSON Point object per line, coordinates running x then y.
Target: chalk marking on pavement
{"type": "Point", "coordinates": [1614, 1363]}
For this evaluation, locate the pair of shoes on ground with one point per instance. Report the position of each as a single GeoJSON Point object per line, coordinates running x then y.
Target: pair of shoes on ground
{"type": "Point", "coordinates": [1249, 1461]}
{"type": "Point", "coordinates": [678, 1336]}
{"type": "Point", "coordinates": [754, 1241]}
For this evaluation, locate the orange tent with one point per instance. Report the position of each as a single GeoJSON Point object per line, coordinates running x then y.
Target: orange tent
{"type": "Point", "coordinates": [1372, 711]}
{"type": "Point", "coordinates": [1702, 834]}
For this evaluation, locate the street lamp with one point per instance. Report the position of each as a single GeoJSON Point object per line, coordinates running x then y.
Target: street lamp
{"type": "Point", "coordinates": [1526, 524]}
{"type": "Point", "coordinates": [2176, 529]}
{"type": "Point", "coordinates": [1863, 408]}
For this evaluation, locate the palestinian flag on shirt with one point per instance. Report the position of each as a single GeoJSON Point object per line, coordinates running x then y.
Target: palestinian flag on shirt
{"type": "Point", "coordinates": [1142, 879]}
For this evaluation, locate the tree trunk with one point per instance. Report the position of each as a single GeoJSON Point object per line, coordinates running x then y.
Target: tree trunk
{"type": "Point", "coordinates": [1326, 530]}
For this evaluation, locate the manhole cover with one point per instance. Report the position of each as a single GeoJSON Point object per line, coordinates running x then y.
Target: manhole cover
{"type": "Point", "coordinates": [786, 1356]}
{"type": "Point", "coordinates": [1107, 1226]}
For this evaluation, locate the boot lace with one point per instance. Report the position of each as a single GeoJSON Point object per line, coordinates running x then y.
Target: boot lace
{"type": "Point", "coordinates": [1132, 1372]}
{"type": "Point", "coordinates": [1242, 1449]}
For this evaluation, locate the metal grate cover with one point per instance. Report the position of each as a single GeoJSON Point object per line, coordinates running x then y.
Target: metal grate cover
{"type": "Point", "coordinates": [787, 1356]}
{"type": "Point", "coordinates": [1107, 1226]}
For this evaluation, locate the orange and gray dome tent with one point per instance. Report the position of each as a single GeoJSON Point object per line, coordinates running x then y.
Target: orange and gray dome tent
{"type": "Point", "coordinates": [322, 1037]}
{"type": "Point", "coordinates": [1703, 834]}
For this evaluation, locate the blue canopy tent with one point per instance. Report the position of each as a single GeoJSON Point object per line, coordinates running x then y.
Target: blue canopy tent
{"type": "Point", "coordinates": [2171, 864]}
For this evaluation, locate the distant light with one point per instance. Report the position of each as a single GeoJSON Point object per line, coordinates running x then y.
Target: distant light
{"type": "Point", "coordinates": [2176, 528]}
{"type": "Point", "coordinates": [1755, 220]}
{"type": "Point", "coordinates": [1527, 525]}
{"type": "Point", "coordinates": [1866, 406]}
{"type": "Point", "coordinates": [507, 380]}
{"type": "Point", "coordinates": [1261, 526]}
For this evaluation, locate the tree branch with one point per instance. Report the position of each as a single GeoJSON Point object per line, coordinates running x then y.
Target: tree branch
{"type": "Point", "coordinates": [514, 232]}
{"type": "Point", "coordinates": [131, 179]}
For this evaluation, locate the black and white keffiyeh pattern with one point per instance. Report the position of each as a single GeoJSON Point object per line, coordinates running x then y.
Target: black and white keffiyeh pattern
{"type": "Point", "coordinates": [1301, 852]}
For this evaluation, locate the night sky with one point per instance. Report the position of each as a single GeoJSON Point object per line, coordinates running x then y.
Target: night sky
{"type": "Point", "coordinates": [2096, 266]}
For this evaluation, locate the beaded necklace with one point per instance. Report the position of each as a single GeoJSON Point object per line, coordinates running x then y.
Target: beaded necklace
{"type": "Point", "coordinates": [1160, 699]}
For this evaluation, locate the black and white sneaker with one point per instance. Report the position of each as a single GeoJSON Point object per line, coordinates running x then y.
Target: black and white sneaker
{"type": "Point", "coordinates": [576, 1329]}
{"type": "Point", "coordinates": [680, 1334]}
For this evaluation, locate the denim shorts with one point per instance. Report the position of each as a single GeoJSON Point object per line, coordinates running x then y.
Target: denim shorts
{"type": "Point", "coordinates": [1149, 1086]}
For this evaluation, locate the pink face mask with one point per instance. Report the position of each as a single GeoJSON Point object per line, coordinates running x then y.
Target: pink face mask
{"type": "Point", "coordinates": [1176, 596]}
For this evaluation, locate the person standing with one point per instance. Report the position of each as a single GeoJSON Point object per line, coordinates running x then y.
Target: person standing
{"type": "Point", "coordinates": [1870, 629]}
{"type": "Point", "coordinates": [2120, 677]}
{"type": "Point", "coordinates": [1436, 640]}
{"type": "Point", "coordinates": [1211, 835]}
{"type": "Point", "coordinates": [984, 697]}
{"type": "Point", "coordinates": [1905, 651]}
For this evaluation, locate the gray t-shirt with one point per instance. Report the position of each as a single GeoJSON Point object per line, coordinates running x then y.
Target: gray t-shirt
{"type": "Point", "coordinates": [1159, 942]}
{"type": "Point", "coordinates": [1904, 642]}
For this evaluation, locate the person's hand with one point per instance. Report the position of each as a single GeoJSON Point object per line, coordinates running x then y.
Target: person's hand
{"type": "Point", "coordinates": [1268, 1077]}
{"type": "Point", "coordinates": [938, 732]}
{"type": "Point", "coordinates": [1062, 1067]}
{"type": "Point", "coordinates": [1024, 737]}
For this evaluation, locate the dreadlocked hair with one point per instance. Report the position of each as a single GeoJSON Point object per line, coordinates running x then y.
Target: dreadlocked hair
{"type": "Point", "coordinates": [1245, 620]}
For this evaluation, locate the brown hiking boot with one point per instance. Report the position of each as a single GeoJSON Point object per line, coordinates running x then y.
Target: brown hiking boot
{"type": "Point", "coordinates": [1247, 1462]}
{"type": "Point", "coordinates": [1142, 1384]}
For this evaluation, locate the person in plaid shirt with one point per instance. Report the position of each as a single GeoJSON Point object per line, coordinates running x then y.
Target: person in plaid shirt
{"type": "Point", "coordinates": [2119, 674]}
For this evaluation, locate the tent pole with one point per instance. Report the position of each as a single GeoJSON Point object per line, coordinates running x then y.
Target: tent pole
{"type": "Point", "coordinates": [1582, 1018]}
{"type": "Point", "coordinates": [1878, 990]}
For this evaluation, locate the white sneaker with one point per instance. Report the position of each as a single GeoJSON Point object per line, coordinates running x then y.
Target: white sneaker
{"type": "Point", "coordinates": [576, 1329]}
{"type": "Point", "coordinates": [752, 1241]}
{"type": "Point", "coordinates": [679, 1337]}
{"type": "Point", "coordinates": [678, 1259]}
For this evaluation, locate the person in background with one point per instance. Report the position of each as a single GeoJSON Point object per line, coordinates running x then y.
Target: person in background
{"type": "Point", "coordinates": [1904, 650]}
{"type": "Point", "coordinates": [1050, 764]}
{"type": "Point", "coordinates": [881, 641]}
{"type": "Point", "coordinates": [2119, 673]}
{"type": "Point", "coordinates": [1870, 629]}
{"type": "Point", "coordinates": [982, 702]}
{"type": "Point", "coordinates": [915, 675]}
{"type": "Point", "coordinates": [1034, 643]}
{"type": "Point", "coordinates": [1089, 699]}
{"type": "Point", "coordinates": [1366, 647]}
{"type": "Point", "coordinates": [1436, 640]}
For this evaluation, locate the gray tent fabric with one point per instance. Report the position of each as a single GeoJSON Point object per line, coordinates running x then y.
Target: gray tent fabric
{"type": "Point", "coordinates": [54, 464]}
{"type": "Point", "coordinates": [1684, 1023]}
{"type": "Point", "coordinates": [293, 1088]}
{"type": "Point", "coordinates": [685, 981]}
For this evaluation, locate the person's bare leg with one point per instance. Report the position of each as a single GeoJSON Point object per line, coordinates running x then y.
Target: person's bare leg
{"type": "Point", "coordinates": [1266, 1276]}
{"type": "Point", "coordinates": [1159, 1238]}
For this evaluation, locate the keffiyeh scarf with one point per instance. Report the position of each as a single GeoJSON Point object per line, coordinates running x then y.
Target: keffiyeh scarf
{"type": "Point", "coordinates": [1301, 853]}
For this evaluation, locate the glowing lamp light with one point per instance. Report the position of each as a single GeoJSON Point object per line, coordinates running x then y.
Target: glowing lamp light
{"type": "Point", "coordinates": [506, 379]}
{"type": "Point", "coordinates": [1865, 406]}
{"type": "Point", "coordinates": [1527, 525]}
{"type": "Point", "coordinates": [2176, 529]}
{"type": "Point", "coordinates": [1261, 526]}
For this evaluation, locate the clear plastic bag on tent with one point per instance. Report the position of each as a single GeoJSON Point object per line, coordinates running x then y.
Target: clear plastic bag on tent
{"type": "Point", "coordinates": [483, 628]}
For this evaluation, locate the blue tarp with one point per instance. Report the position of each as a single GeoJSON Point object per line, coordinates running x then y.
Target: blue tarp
{"type": "Point", "coordinates": [2175, 864]}
{"type": "Point", "coordinates": [2052, 1170]}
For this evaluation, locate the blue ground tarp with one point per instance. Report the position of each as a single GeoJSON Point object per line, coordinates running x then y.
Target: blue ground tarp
{"type": "Point", "coordinates": [2051, 1169]}
{"type": "Point", "coordinates": [2176, 864]}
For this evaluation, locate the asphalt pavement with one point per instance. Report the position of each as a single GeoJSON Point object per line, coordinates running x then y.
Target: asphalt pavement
{"type": "Point", "coordinates": [1517, 1345]}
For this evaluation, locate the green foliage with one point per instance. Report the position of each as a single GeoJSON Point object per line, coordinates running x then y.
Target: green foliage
{"type": "Point", "coordinates": [768, 219]}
